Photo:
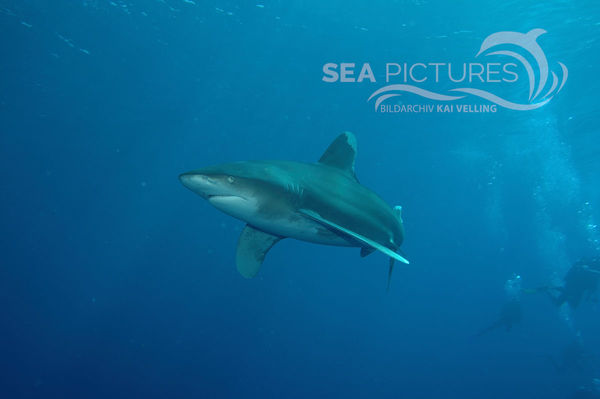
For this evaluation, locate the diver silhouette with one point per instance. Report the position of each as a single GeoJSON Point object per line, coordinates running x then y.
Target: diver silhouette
{"type": "Point", "coordinates": [581, 282]}
{"type": "Point", "coordinates": [511, 313]}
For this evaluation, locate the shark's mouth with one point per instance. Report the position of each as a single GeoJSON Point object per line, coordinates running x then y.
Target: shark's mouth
{"type": "Point", "coordinates": [216, 199]}
{"type": "Point", "coordinates": [233, 205]}
{"type": "Point", "coordinates": [223, 196]}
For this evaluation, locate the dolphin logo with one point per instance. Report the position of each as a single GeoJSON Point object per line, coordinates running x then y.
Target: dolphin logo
{"type": "Point", "coordinates": [528, 42]}
{"type": "Point", "coordinates": [321, 202]}
{"type": "Point", "coordinates": [524, 41]}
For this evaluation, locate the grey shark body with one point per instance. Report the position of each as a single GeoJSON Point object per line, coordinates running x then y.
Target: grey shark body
{"type": "Point", "coordinates": [319, 202]}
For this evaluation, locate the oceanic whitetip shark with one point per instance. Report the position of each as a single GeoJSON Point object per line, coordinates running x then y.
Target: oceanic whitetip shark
{"type": "Point", "coordinates": [319, 202]}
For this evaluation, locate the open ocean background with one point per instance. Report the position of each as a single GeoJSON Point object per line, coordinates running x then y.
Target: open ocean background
{"type": "Point", "coordinates": [116, 281]}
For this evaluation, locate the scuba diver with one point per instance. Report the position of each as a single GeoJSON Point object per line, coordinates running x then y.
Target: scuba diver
{"type": "Point", "coordinates": [510, 314]}
{"type": "Point", "coordinates": [581, 281]}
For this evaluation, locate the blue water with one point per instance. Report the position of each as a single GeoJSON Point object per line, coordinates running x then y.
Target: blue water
{"type": "Point", "coordinates": [117, 281]}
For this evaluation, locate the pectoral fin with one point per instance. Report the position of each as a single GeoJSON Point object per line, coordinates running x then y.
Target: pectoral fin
{"type": "Point", "coordinates": [252, 247]}
{"type": "Point", "coordinates": [363, 240]}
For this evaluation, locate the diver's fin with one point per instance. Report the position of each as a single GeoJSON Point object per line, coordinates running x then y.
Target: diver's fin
{"type": "Point", "coordinates": [341, 153]}
{"type": "Point", "coordinates": [363, 240]}
{"type": "Point", "coordinates": [252, 247]}
{"type": "Point", "coordinates": [392, 260]}
{"type": "Point", "coordinates": [365, 251]}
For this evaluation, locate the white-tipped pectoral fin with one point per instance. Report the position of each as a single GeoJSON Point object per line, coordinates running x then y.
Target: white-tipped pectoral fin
{"type": "Point", "coordinates": [315, 216]}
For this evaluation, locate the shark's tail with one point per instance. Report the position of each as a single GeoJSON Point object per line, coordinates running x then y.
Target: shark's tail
{"type": "Point", "coordinates": [390, 271]}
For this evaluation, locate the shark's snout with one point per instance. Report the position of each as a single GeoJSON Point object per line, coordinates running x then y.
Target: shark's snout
{"type": "Point", "coordinates": [210, 186]}
{"type": "Point", "coordinates": [202, 185]}
{"type": "Point", "coordinates": [185, 178]}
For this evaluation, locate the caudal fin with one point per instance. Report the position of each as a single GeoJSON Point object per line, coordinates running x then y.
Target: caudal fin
{"type": "Point", "coordinates": [390, 271]}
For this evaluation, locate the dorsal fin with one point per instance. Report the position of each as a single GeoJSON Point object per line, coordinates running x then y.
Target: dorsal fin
{"type": "Point", "coordinates": [341, 153]}
{"type": "Point", "coordinates": [398, 212]}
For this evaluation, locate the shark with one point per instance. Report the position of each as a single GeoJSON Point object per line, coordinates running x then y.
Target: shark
{"type": "Point", "coordinates": [321, 203]}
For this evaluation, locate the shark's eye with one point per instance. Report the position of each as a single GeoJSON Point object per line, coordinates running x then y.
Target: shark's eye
{"type": "Point", "coordinates": [230, 179]}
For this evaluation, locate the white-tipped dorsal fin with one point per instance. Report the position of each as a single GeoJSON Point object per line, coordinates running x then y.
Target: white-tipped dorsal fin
{"type": "Point", "coordinates": [398, 212]}
{"type": "Point", "coordinates": [341, 153]}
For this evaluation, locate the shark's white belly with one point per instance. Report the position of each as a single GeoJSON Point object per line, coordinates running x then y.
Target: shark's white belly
{"type": "Point", "coordinates": [301, 228]}
{"type": "Point", "coordinates": [294, 225]}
